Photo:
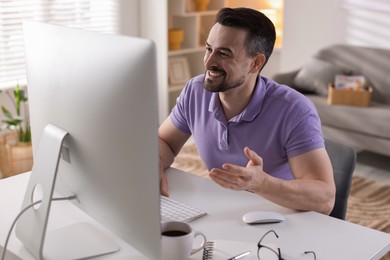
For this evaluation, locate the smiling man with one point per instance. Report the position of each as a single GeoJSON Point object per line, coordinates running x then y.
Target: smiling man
{"type": "Point", "coordinates": [251, 132]}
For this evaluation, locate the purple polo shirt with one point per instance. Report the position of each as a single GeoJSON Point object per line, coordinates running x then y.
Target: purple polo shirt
{"type": "Point", "coordinates": [277, 124]}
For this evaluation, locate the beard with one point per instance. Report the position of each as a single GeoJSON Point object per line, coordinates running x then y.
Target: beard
{"type": "Point", "coordinates": [223, 86]}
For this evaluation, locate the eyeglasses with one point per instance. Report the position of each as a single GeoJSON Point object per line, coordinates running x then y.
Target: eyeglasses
{"type": "Point", "coordinates": [278, 254]}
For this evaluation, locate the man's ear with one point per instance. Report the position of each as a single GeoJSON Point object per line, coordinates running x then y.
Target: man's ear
{"type": "Point", "coordinates": [258, 62]}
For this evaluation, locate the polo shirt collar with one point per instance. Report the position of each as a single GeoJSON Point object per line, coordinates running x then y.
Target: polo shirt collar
{"type": "Point", "coordinates": [250, 112]}
{"type": "Point", "coordinates": [216, 108]}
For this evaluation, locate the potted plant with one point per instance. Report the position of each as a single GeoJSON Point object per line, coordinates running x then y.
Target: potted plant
{"type": "Point", "coordinates": [15, 144]}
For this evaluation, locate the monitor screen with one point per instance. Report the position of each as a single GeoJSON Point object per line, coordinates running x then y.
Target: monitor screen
{"type": "Point", "coordinates": [101, 90]}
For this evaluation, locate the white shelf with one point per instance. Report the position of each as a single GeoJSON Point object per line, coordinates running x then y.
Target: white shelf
{"type": "Point", "coordinates": [198, 14]}
{"type": "Point", "coordinates": [175, 88]}
{"type": "Point", "coordinates": [187, 51]}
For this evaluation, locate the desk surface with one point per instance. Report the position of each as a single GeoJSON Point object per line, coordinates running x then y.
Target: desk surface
{"type": "Point", "coordinates": [330, 238]}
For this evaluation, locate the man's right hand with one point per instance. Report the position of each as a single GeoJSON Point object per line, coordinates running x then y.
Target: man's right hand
{"type": "Point", "coordinates": [163, 184]}
{"type": "Point", "coordinates": [171, 140]}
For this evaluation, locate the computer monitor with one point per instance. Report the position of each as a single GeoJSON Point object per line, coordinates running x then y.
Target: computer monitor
{"type": "Point", "coordinates": [93, 97]}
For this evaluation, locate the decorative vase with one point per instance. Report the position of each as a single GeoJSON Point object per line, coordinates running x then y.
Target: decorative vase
{"type": "Point", "coordinates": [175, 38]}
{"type": "Point", "coordinates": [201, 5]}
{"type": "Point", "coordinates": [15, 157]}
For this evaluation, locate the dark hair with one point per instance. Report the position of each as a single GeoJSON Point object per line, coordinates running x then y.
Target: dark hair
{"type": "Point", "coordinates": [261, 31]}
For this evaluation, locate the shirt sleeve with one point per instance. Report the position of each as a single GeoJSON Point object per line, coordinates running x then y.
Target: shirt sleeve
{"type": "Point", "coordinates": [180, 111]}
{"type": "Point", "coordinates": [304, 128]}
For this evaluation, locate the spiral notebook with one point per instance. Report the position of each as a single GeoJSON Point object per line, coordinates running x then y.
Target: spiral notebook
{"type": "Point", "coordinates": [226, 249]}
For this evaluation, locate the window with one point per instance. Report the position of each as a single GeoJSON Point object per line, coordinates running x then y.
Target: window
{"type": "Point", "coordinates": [96, 15]}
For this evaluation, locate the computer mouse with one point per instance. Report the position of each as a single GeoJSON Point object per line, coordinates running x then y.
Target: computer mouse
{"type": "Point", "coordinates": [262, 217]}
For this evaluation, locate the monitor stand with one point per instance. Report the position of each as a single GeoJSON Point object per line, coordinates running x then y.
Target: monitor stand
{"type": "Point", "coordinates": [77, 241]}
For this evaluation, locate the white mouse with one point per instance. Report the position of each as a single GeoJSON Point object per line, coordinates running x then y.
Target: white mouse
{"type": "Point", "coordinates": [262, 217]}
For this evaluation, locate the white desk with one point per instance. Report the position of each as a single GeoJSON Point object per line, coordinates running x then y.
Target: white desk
{"type": "Point", "coordinates": [330, 238]}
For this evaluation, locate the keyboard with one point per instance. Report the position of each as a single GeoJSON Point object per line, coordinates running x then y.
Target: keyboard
{"type": "Point", "coordinates": [172, 210]}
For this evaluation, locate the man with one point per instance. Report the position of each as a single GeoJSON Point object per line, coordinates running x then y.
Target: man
{"type": "Point", "coordinates": [252, 133]}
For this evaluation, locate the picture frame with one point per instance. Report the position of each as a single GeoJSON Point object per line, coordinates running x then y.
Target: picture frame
{"type": "Point", "coordinates": [178, 70]}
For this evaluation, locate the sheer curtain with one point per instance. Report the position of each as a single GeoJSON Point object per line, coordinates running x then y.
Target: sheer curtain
{"type": "Point", "coordinates": [96, 15]}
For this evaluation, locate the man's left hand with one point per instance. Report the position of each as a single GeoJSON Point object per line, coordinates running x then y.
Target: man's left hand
{"type": "Point", "coordinates": [241, 178]}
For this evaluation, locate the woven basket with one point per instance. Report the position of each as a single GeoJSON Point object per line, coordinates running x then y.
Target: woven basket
{"type": "Point", "coordinates": [15, 157]}
{"type": "Point", "coordinates": [349, 97]}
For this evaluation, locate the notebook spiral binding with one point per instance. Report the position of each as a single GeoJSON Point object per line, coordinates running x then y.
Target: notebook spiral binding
{"type": "Point", "coordinates": [208, 250]}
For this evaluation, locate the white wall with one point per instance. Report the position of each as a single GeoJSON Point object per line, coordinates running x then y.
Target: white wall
{"type": "Point", "coordinates": [148, 19]}
{"type": "Point", "coordinates": [273, 64]}
{"type": "Point", "coordinates": [369, 27]}
{"type": "Point", "coordinates": [310, 25]}
{"type": "Point", "coordinates": [128, 17]}
{"type": "Point", "coordinates": [153, 18]}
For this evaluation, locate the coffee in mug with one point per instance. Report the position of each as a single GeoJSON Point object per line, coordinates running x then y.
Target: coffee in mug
{"type": "Point", "coordinates": [177, 240]}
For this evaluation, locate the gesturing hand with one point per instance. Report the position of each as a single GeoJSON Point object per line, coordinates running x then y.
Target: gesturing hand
{"type": "Point", "coordinates": [240, 178]}
{"type": "Point", "coordinates": [163, 183]}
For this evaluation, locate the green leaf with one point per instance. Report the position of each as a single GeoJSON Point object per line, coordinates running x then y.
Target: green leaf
{"type": "Point", "coordinates": [12, 121]}
{"type": "Point", "coordinates": [22, 96]}
{"type": "Point", "coordinates": [27, 135]}
{"type": "Point", "coordinates": [15, 122]}
{"type": "Point", "coordinates": [17, 99]}
{"type": "Point", "coordinates": [6, 112]}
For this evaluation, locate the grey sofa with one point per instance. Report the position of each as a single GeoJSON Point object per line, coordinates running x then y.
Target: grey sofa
{"type": "Point", "coordinates": [366, 128]}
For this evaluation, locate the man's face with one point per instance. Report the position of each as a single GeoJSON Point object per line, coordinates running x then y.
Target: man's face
{"type": "Point", "coordinates": [227, 65]}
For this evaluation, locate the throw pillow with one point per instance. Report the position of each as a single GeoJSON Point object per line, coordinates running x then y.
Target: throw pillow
{"type": "Point", "coordinates": [316, 74]}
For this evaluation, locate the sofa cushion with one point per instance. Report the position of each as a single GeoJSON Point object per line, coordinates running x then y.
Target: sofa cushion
{"type": "Point", "coordinates": [373, 120]}
{"type": "Point", "coordinates": [373, 63]}
{"type": "Point", "coordinates": [316, 74]}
